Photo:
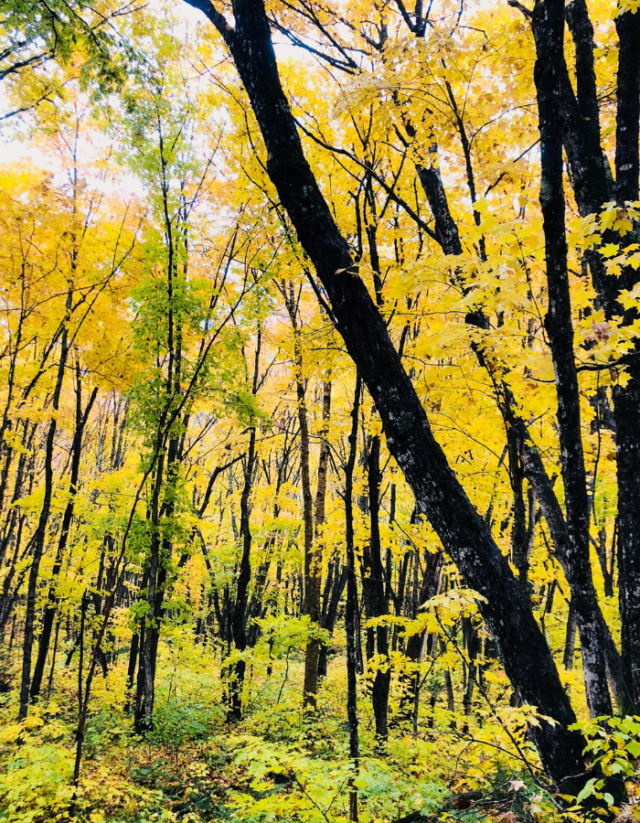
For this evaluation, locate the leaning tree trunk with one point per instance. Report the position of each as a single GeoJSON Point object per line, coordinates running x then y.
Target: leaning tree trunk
{"type": "Point", "coordinates": [466, 537]}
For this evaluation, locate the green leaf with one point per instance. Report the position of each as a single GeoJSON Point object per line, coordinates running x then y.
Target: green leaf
{"type": "Point", "coordinates": [587, 790]}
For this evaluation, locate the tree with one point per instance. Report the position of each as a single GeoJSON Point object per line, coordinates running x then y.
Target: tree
{"type": "Point", "coordinates": [438, 494]}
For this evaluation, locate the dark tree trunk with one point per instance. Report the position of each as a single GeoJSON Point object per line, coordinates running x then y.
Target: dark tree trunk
{"type": "Point", "coordinates": [445, 226]}
{"type": "Point", "coordinates": [581, 116]}
{"type": "Point", "coordinates": [472, 642]}
{"type": "Point", "coordinates": [519, 533]}
{"type": "Point", "coordinates": [238, 620]}
{"type": "Point", "coordinates": [257, 603]}
{"type": "Point", "coordinates": [548, 28]}
{"type": "Point", "coordinates": [605, 558]}
{"type": "Point", "coordinates": [334, 589]}
{"type": "Point", "coordinates": [351, 610]}
{"type": "Point", "coordinates": [627, 400]}
{"type": "Point", "coordinates": [525, 654]}
{"type": "Point", "coordinates": [133, 662]}
{"type": "Point", "coordinates": [431, 584]}
{"type": "Point", "coordinates": [570, 639]}
{"type": "Point", "coordinates": [552, 513]}
{"type": "Point", "coordinates": [155, 577]}
{"type": "Point", "coordinates": [627, 121]}
{"type": "Point", "coordinates": [627, 414]}
{"type": "Point", "coordinates": [379, 605]}
{"type": "Point", "coordinates": [593, 188]}
{"type": "Point", "coordinates": [330, 602]}
{"type": "Point", "coordinates": [53, 658]}
{"type": "Point", "coordinates": [236, 625]}
{"type": "Point", "coordinates": [577, 566]}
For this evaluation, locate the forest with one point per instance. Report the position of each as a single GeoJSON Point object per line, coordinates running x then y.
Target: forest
{"type": "Point", "coordinates": [319, 411]}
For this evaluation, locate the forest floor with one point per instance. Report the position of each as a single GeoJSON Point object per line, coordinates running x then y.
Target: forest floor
{"type": "Point", "coordinates": [277, 764]}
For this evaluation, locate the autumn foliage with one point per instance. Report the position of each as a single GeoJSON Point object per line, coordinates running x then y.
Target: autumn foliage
{"type": "Point", "coordinates": [319, 411]}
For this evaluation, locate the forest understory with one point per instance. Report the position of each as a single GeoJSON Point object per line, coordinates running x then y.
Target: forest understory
{"type": "Point", "coordinates": [278, 763]}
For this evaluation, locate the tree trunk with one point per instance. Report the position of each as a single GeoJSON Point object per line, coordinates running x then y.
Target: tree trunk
{"type": "Point", "coordinates": [327, 618]}
{"type": "Point", "coordinates": [577, 565]}
{"type": "Point", "coordinates": [431, 584]}
{"type": "Point", "coordinates": [593, 188]}
{"type": "Point", "coordinates": [155, 573]}
{"type": "Point", "coordinates": [53, 658]}
{"type": "Point", "coordinates": [627, 400]}
{"type": "Point", "coordinates": [351, 611]}
{"type": "Point", "coordinates": [312, 563]}
{"type": "Point", "coordinates": [379, 605]}
{"type": "Point", "coordinates": [238, 614]}
{"type": "Point", "coordinates": [552, 512]}
{"type": "Point", "coordinates": [525, 654]}
{"type": "Point", "coordinates": [334, 588]}
{"type": "Point", "coordinates": [548, 28]}
{"type": "Point", "coordinates": [570, 639]}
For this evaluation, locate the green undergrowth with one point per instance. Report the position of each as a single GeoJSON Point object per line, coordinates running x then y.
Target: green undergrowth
{"type": "Point", "coordinates": [276, 765]}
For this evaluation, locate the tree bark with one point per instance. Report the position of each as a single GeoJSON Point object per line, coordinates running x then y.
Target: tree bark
{"type": "Point", "coordinates": [570, 639]}
{"type": "Point", "coordinates": [414, 649]}
{"type": "Point", "coordinates": [334, 589]}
